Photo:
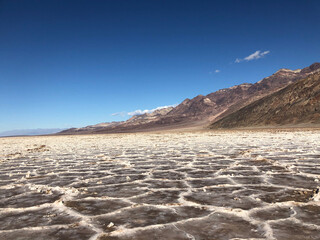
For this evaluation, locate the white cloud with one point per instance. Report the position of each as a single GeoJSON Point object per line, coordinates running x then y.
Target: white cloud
{"type": "Point", "coordinates": [139, 111]}
{"type": "Point", "coordinates": [256, 55]}
{"type": "Point", "coordinates": [215, 71]}
{"type": "Point", "coordinates": [122, 114]}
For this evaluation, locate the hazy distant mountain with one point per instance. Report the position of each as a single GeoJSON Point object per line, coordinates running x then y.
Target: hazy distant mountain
{"type": "Point", "coordinates": [134, 122]}
{"type": "Point", "coordinates": [30, 132]}
{"type": "Point", "coordinates": [202, 110]}
{"type": "Point", "coordinates": [297, 104]}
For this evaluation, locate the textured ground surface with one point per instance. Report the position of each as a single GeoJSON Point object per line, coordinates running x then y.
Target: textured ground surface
{"type": "Point", "coordinates": [214, 185]}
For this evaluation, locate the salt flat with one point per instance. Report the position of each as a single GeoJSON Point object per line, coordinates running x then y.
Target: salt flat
{"type": "Point", "coordinates": [201, 185]}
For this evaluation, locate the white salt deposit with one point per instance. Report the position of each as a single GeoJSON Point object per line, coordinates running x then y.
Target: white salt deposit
{"type": "Point", "coordinates": [208, 185]}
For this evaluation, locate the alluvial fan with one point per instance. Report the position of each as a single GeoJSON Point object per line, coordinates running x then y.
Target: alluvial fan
{"type": "Point", "coordinates": [201, 185]}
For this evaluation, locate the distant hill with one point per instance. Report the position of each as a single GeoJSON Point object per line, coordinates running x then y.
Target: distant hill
{"type": "Point", "coordinates": [202, 110]}
{"type": "Point", "coordinates": [133, 124]}
{"type": "Point", "coordinates": [296, 104]}
{"type": "Point", "coordinates": [29, 132]}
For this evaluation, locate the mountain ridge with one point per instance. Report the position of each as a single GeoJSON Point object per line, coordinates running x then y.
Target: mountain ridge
{"type": "Point", "coordinates": [204, 109]}
{"type": "Point", "coordinates": [296, 104]}
{"type": "Point", "coordinates": [30, 132]}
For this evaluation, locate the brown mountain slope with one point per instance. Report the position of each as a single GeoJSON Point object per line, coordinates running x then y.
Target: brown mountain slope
{"type": "Point", "coordinates": [225, 101]}
{"type": "Point", "coordinates": [133, 123]}
{"type": "Point", "coordinates": [298, 103]}
{"type": "Point", "coordinates": [201, 110]}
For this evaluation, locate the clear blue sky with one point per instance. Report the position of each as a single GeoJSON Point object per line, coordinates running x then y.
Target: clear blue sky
{"type": "Point", "coordinates": [73, 63]}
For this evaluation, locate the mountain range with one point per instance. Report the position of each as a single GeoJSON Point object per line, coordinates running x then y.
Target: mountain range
{"type": "Point", "coordinates": [30, 132]}
{"type": "Point", "coordinates": [229, 107]}
{"type": "Point", "coordinates": [297, 104]}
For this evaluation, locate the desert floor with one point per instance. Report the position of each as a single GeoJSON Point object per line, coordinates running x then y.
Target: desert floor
{"type": "Point", "coordinates": [196, 185]}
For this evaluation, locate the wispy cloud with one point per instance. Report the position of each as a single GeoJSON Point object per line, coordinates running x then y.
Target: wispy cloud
{"type": "Point", "coordinates": [122, 114]}
{"type": "Point", "coordinates": [215, 71]}
{"type": "Point", "coordinates": [140, 112]}
{"type": "Point", "coordinates": [256, 55]}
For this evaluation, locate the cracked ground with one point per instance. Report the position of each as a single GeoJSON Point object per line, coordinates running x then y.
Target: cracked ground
{"type": "Point", "coordinates": [201, 185]}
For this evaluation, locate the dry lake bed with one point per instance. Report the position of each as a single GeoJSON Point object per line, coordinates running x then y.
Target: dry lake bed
{"type": "Point", "coordinates": [201, 185]}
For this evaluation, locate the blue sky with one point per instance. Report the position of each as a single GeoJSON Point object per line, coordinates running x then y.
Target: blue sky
{"type": "Point", "coordinates": [75, 63]}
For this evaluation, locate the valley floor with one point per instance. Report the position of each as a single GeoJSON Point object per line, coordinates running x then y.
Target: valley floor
{"type": "Point", "coordinates": [188, 185]}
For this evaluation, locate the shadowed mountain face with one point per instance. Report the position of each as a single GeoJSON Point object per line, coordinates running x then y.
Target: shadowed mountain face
{"type": "Point", "coordinates": [202, 110]}
{"type": "Point", "coordinates": [298, 103]}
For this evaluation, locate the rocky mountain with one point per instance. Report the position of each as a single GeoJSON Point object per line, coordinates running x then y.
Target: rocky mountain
{"type": "Point", "coordinates": [202, 110]}
{"type": "Point", "coordinates": [133, 123]}
{"type": "Point", "coordinates": [148, 117]}
{"type": "Point", "coordinates": [296, 104]}
{"type": "Point", "coordinates": [91, 128]}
